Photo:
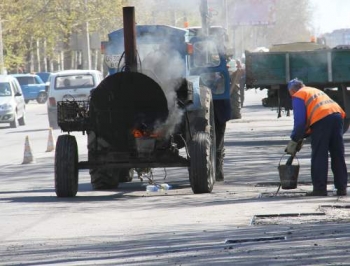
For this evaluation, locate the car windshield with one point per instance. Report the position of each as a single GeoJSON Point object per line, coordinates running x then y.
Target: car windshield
{"type": "Point", "coordinates": [5, 89]}
{"type": "Point", "coordinates": [27, 80]}
{"type": "Point", "coordinates": [74, 81]}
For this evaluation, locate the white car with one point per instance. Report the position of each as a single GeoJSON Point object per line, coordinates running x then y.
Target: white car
{"type": "Point", "coordinates": [70, 85]}
{"type": "Point", "coordinates": [12, 105]}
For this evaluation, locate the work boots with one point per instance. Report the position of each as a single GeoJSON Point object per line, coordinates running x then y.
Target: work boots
{"type": "Point", "coordinates": [317, 193]}
{"type": "Point", "coordinates": [219, 165]}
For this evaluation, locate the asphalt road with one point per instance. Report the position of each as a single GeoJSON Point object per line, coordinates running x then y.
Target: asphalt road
{"type": "Point", "coordinates": [242, 222]}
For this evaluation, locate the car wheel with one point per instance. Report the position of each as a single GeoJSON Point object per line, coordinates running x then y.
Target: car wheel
{"type": "Point", "coordinates": [14, 123]}
{"type": "Point", "coordinates": [26, 101]}
{"type": "Point", "coordinates": [53, 122]}
{"type": "Point", "coordinates": [22, 120]}
{"type": "Point", "coordinates": [42, 97]}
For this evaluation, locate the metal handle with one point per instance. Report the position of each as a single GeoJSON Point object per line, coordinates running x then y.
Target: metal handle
{"type": "Point", "coordinates": [290, 159]}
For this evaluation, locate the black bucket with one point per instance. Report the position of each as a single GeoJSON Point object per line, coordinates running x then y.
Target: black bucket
{"type": "Point", "coordinates": [289, 175]}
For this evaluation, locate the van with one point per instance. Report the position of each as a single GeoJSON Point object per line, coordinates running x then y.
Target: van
{"type": "Point", "coordinates": [70, 85]}
{"type": "Point", "coordinates": [12, 105]}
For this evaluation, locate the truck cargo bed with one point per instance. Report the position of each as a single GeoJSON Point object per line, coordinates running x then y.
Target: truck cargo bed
{"type": "Point", "coordinates": [321, 68]}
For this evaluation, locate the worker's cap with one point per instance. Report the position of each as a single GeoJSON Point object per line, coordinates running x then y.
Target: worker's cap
{"type": "Point", "coordinates": [295, 84]}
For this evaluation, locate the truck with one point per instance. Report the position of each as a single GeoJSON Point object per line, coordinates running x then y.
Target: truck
{"type": "Point", "coordinates": [153, 110]}
{"type": "Point", "coordinates": [315, 64]}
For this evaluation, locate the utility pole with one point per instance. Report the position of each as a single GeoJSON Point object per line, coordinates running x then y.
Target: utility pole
{"type": "Point", "coordinates": [2, 69]}
{"type": "Point", "coordinates": [224, 8]}
{"type": "Point", "coordinates": [205, 17]}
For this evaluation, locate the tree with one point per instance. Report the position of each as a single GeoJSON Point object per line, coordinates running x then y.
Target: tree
{"type": "Point", "coordinates": [50, 24]}
{"type": "Point", "coordinates": [39, 31]}
{"type": "Point", "coordinates": [292, 24]}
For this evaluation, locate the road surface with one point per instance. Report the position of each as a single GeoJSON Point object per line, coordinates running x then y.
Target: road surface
{"type": "Point", "coordinates": [242, 222]}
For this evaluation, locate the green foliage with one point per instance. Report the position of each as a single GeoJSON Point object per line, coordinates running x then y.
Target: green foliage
{"type": "Point", "coordinates": [52, 22]}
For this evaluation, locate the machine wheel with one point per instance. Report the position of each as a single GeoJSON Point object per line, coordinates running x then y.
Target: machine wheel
{"type": "Point", "coordinates": [26, 101]}
{"type": "Point", "coordinates": [66, 166]}
{"type": "Point", "coordinates": [104, 178]}
{"type": "Point", "coordinates": [42, 97]}
{"type": "Point", "coordinates": [241, 95]}
{"type": "Point", "coordinates": [202, 165]}
{"type": "Point", "coordinates": [235, 99]}
{"type": "Point", "coordinates": [101, 178]}
{"type": "Point", "coordinates": [126, 175]}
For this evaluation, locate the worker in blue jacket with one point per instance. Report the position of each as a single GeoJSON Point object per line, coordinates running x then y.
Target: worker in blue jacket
{"type": "Point", "coordinates": [318, 116]}
{"type": "Point", "coordinates": [222, 114]}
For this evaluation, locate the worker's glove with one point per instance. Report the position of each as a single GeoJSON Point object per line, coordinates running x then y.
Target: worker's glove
{"type": "Point", "coordinates": [300, 145]}
{"type": "Point", "coordinates": [291, 148]}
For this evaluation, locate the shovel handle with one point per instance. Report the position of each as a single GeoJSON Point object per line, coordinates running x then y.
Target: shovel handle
{"type": "Point", "coordinates": [290, 160]}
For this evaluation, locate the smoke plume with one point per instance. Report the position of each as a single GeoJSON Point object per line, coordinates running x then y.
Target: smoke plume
{"type": "Point", "coordinates": [165, 66]}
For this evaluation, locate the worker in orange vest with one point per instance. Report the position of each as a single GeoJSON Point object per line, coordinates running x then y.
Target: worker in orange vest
{"type": "Point", "coordinates": [318, 116]}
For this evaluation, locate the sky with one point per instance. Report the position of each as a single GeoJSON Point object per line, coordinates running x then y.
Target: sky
{"type": "Point", "coordinates": [329, 15]}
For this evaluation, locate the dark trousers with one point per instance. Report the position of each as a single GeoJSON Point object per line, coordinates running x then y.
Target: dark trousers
{"type": "Point", "coordinates": [220, 134]}
{"type": "Point", "coordinates": [327, 136]}
{"type": "Point", "coordinates": [220, 150]}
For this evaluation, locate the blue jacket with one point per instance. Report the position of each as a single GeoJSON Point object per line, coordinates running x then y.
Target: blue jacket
{"type": "Point", "coordinates": [299, 112]}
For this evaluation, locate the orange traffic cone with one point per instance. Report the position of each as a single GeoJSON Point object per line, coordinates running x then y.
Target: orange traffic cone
{"type": "Point", "coordinates": [28, 155]}
{"type": "Point", "coordinates": [50, 142]}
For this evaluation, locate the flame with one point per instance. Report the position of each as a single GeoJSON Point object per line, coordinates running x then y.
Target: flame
{"type": "Point", "coordinates": [139, 134]}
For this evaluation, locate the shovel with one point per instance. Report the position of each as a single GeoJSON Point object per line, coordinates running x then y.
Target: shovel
{"type": "Point", "coordinates": [288, 172]}
{"type": "Point", "coordinates": [290, 160]}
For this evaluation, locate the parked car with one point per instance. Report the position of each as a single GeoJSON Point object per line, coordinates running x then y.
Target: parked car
{"type": "Point", "coordinates": [68, 85]}
{"type": "Point", "coordinates": [33, 87]}
{"type": "Point", "coordinates": [12, 105]}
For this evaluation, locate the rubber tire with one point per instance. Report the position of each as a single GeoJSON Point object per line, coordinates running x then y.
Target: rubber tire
{"type": "Point", "coordinates": [126, 175]}
{"type": "Point", "coordinates": [66, 166]}
{"type": "Point", "coordinates": [14, 123]}
{"type": "Point", "coordinates": [102, 179]}
{"type": "Point", "coordinates": [53, 122]}
{"type": "Point", "coordinates": [26, 101]}
{"type": "Point", "coordinates": [202, 163]}
{"type": "Point", "coordinates": [42, 98]}
{"type": "Point", "coordinates": [54, 125]}
{"type": "Point", "coordinates": [235, 99]}
{"type": "Point", "coordinates": [22, 120]}
{"type": "Point", "coordinates": [241, 96]}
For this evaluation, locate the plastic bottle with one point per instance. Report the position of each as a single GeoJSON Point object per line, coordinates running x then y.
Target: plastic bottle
{"type": "Point", "coordinates": [164, 186]}
{"type": "Point", "coordinates": [152, 188]}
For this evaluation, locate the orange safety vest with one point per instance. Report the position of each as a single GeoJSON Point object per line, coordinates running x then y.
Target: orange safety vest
{"type": "Point", "coordinates": [318, 105]}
